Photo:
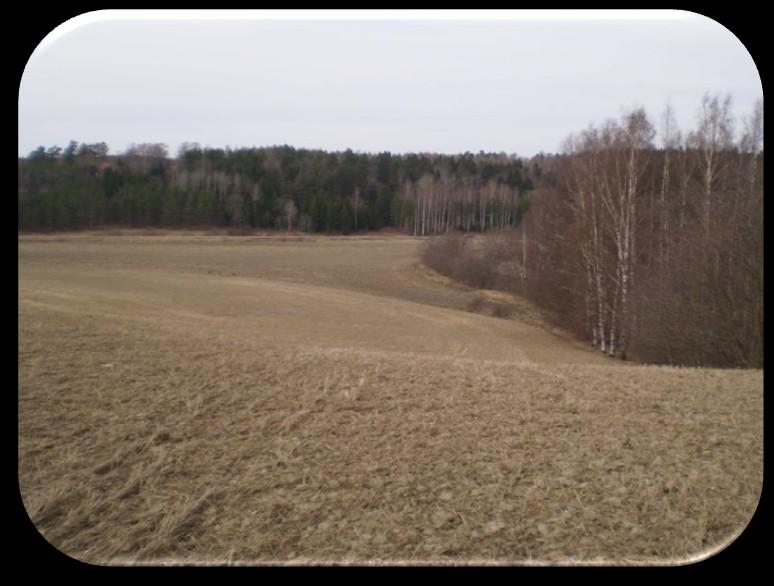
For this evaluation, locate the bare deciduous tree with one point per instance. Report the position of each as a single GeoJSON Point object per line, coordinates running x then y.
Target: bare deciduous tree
{"type": "Point", "coordinates": [713, 136]}
{"type": "Point", "coordinates": [290, 211]}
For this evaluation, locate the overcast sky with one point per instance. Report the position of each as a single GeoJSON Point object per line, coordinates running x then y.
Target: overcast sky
{"type": "Point", "coordinates": [518, 86]}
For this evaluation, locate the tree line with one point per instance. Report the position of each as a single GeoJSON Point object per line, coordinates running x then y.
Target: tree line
{"type": "Point", "coordinates": [643, 239]}
{"type": "Point", "coordinates": [649, 249]}
{"type": "Point", "coordinates": [82, 186]}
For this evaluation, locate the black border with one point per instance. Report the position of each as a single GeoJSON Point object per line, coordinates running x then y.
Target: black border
{"type": "Point", "coordinates": [31, 553]}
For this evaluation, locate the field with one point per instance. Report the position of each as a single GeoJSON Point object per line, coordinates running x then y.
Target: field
{"type": "Point", "coordinates": [198, 398]}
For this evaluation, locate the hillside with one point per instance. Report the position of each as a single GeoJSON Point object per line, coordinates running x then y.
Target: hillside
{"type": "Point", "coordinates": [204, 398]}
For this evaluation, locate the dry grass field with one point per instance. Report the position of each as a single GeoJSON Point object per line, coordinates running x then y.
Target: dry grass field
{"type": "Point", "coordinates": [196, 398]}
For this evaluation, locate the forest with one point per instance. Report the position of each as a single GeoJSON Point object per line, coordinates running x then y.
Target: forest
{"type": "Point", "coordinates": [81, 186]}
{"type": "Point", "coordinates": [644, 240]}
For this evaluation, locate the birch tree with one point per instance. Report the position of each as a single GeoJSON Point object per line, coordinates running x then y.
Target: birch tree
{"type": "Point", "coordinates": [670, 142]}
{"type": "Point", "coordinates": [713, 135]}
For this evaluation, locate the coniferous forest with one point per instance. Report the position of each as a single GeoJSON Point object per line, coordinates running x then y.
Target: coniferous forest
{"type": "Point", "coordinates": [82, 186]}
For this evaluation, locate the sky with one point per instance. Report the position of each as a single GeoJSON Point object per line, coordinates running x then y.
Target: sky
{"type": "Point", "coordinates": [394, 83]}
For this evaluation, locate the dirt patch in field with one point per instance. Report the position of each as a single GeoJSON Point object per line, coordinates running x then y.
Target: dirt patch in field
{"type": "Point", "coordinates": [305, 404]}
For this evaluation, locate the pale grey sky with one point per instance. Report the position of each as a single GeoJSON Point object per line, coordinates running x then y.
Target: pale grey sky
{"type": "Point", "coordinates": [519, 86]}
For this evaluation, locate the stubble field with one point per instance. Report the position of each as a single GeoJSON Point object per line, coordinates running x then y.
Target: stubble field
{"type": "Point", "coordinates": [198, 398]}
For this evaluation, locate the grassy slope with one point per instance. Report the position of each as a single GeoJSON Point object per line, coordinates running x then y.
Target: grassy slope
{"type": "Point", "coordinates": [201, 398]}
